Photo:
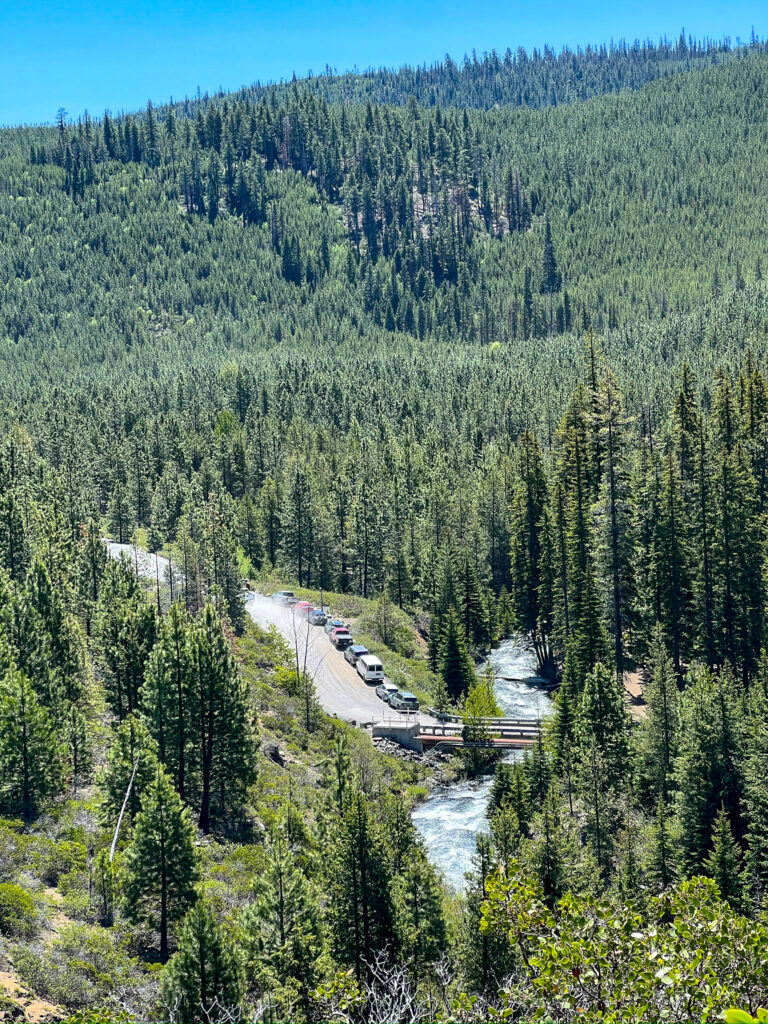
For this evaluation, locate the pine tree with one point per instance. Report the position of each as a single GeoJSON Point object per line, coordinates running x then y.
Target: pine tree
{"type": "Point", "coordinates": [126, 626]}
{"type": "Point", "coordinates": [78, 746]}
{"type": "Point", "coordinates": [221, 562]}
{"type": "Point", "coordinates": [160, 867]}
{"type": "Point", "coordinates": [283, 935]}
{"type": "Point", "coordinates": [510, 789]}
{"type": "Point", "coordinates": [168, 697]}
{"type": "Point", "coordinates": [473, 614]}
{"type": "Point", "coordinates": [358, 886]}
{"type": "Point", "coordinates": [225, 759]}
{"type": "Point", "coordinates": [614, 511]}
{"type": "Point", "coordinates": [505, 835]}
{"type": "Point", "coordinates": [550, 277]}
{"type": "Point", "coordinates": [538, 768]}
{"type": "Point", "coordinates": [203, 980]}
{"type": "Point", "coordinates": [15, 547]}
{"type": "Point", "coordinates": [92, 560]}
{"type": "Point", "coordinates": [30, 752]}
{"type": "Point", "coordinates": [660, 729]}
{"type": "Point", "coordinates": [420, 927]}
{"type": "Point", "coordinates": [709, 765]}
{"type": "Point", "coordinates": [456, 669]}
{"type": "Point", "coordinates": [598, 796]}
{"type": "Point", "coordinates": [550, 853]}
{"type": "Point", "coordinates": [671, 565]}
{"type": "Point", "coordinates": [661, 850]}
{"type": "Point", "coordinates": [563, 727]}
{"type": "Point", "coordinates": [485, 957]}
{"type": "Point", "coordinates": [528, 507]}
{"type": "Point", "coordinates": [603, 725]}
{"type": "Point", "coordinates": [724, 862]}
{"type": "Point", "coordinates": [55, 636]}
{"type": "Point", "coordinates": [132, 755]}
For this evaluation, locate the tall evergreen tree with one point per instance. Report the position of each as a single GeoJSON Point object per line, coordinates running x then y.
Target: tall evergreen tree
{"type": "Point", "coordinates": [160, 867]}
{"type": "Point", "coordinates": [169, 697]}
{"type": "Point", "coordinates": [30, 751]}
{"type": "Point", "coordinates": [223, 733]}
{"type": "Point", "coordinates": [456, 669]}
{"type": "Point", "coordinates": [203, 979]}
{"type": "Point", "coordinates": [358, 886]}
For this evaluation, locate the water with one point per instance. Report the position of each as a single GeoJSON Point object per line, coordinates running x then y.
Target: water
{"type": "Point", "coordinates": [514, 657]}
{"type": "Point", "coordinates": [452, 816]}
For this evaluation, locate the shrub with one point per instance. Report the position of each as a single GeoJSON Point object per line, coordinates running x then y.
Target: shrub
{"type": "Point", "coordinates": [79, 969]}
{"type": "Point", "coordinates": [17, 911]}
{"type": "Point", "coordinates": [13, 849]}
{"type": "Point", "coordinates": [61, 859]}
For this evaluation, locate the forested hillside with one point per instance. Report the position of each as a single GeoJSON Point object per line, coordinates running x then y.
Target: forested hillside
{"type": "Point", "coordinates": [486, 343]}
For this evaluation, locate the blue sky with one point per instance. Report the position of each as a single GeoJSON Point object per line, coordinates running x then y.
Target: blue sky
{"type": "Point", "coordinates": [86, 54]}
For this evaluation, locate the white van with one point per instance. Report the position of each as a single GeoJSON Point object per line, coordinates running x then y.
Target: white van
{"type": "Point", "coordinates": [370, 668]}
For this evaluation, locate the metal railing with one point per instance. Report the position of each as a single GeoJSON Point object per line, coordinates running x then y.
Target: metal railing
{"type": "Point", "coordinates": [445, 716]}
{"type": "Point", "coordinates": [528, 730]}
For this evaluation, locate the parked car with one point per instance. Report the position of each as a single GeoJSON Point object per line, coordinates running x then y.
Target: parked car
{"type": "Point", "coordinates": [284, 596]}
{"type": "Point", "coordinates": [354, 652]}
{"type": "Point", "coordinates": [386, 691]}
{"type": "Point", "coordinates": [332, 623]}
{"type": "Point", "coordinates": [341, 638]}
{"type": "Point", "coordinates": [304, 607]}
{"type": "Point", "coordinates": [369, 668]}
{"type": "Point", "coordinates": [404, 701]}
{"type": "Point", "coordinates": [316, 617]}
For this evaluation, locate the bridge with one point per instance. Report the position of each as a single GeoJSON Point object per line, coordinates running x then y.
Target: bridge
{"type": "Point", "coordinates": [452, 733]}
{"type": "Point", "coordinates": [504, 734]}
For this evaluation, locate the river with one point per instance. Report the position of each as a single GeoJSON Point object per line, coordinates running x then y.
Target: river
{"type": "Point", "coordinates": [452, 816]}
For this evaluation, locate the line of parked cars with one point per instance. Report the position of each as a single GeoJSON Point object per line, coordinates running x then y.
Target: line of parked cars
{"type": "Point", "coordinates": [367, 665]}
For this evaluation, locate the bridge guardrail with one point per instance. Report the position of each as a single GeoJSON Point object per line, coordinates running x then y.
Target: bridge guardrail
{"type": "Point", "coordinates": [445, 716]}
{"type": "Point", "coordinates": [528, 731]}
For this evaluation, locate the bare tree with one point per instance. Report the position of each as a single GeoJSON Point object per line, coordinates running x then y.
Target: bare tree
{"type": "Point", "coordinates": [302, 643]}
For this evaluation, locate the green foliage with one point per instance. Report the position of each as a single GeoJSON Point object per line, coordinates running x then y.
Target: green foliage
{"type": "Point", "coordinates": [357, 880]}
{"type": "Point", "coordinates": [160, 866]}
{"type": "Point", "coordinates": [537, 415]}
{"type": "Point", "coordinates": [603, 960]}
{"type": "Point", "coordinates": [79, 969]}
{"type": "Point", "coordinates": [203, 978]}
{"type": "Point", "coordinates": [283, 935]}
{"type": "Point", "coordinates": [32, 758]}
{"type": "Point", "coordinates": [17, 911]}
{"type": "Point", "coordinates": [130, 769]}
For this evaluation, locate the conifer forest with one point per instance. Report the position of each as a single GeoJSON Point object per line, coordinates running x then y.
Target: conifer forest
{"type": "Point", "coordinates": [471, 355]}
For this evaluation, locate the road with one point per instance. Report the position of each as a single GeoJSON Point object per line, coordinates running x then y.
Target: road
{"type": "Point", "coordinates": [340, 690]}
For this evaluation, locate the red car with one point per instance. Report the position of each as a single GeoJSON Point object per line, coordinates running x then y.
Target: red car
{"type": "Point", "coordinates": [341, 638]}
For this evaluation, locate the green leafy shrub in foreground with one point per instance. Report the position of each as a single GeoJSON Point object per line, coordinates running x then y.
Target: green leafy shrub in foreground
{"type": "Point", "coordinates": [686, 956]}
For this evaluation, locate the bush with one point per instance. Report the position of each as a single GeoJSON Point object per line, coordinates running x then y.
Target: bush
{"type": "Point", "coordinates": [17, 911]}
{"type": "Point", "coordinates": [13, 849]}
{"type": "Point", "coordinates": [61, 859]}
{"type": "Point", "coordinates": [79, 969]}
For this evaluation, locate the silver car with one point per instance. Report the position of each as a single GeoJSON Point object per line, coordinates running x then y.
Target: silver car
{"type": "Point", "coordinates": [386, 691]}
